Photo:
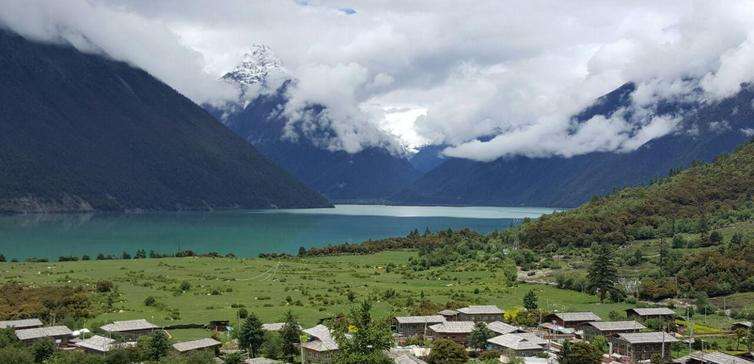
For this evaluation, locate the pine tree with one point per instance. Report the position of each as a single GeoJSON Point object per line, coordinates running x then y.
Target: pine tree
{"type": "Point", "coordinates": [603, 274]}
{"type": "Point", "coordinates": [290, 336]}
{"type": "Point", "coordinates": [530, 301]}
{"type": "Point", "coordinates": [158, 345]}
{"type": "Point", "coordinates": [479, 336]}
{"type": "Point", "coordinates": [251, 335]}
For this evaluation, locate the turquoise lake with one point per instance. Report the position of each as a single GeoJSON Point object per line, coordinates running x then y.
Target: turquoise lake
{"type": "Point", "coordinates": [245, 233]}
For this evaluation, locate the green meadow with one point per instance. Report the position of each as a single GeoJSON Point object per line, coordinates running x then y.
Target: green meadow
{"type": "Point", "coordinates": [313, 288]}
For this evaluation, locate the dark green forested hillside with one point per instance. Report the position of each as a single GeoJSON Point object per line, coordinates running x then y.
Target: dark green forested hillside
{"type": "Point", "coordinates": [688, 201]}
{"type": "Point", "coordinates": [81, 132]}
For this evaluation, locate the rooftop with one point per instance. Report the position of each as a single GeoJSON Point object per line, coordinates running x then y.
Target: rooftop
{"type": "Point", "coordinates": [481, 310]}
{"type": "Point", "coordinates": [714, 357]}
{"type": "Point", "coordinates": [515, 342]}
{"type": "Point", "coordinates": [97, 343]}
{"type": "Point", "coordinates": [419, 319]}
{"type": "Point", "coordinates": [324, 340]}
{"type": "Point", "coordinates": [577, 316]}
{"type": "Point", "coordinates": [616, 325]}
{"type": "Point", "coordinates": [40, 332]}
{"type": "Point", "coordinates": [743, 323]}
{"type": "Point", "coordinates": [502, 327]}
{"type": "Point", "coordinates": [275, 326]}
{"type": "Point", "coordinates": [131, 325]}
{"type": "Point", "coordinates": [652, 311]}
{"type": "Point", "coordinates": [21, 324]}
{"type": "Point", "coordinates": [647, 337]}
{"type": "Point", "coordinates": [448, 313]}
{"type": "Point", "coordinates": [453, 327]}
{"type": "Point", "coordinates": [196, 344]}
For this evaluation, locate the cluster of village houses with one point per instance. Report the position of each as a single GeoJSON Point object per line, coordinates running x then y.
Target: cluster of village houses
{"type": "Point", "coordinates": [630, 341]}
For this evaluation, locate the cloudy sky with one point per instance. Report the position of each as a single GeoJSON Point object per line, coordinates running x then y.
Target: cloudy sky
{"type": "Point", "coordinates": [487, 78]}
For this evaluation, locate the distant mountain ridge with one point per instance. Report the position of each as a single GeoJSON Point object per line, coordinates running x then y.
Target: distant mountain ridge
{"type": "Point", "coordinates": [80, 132]}
{"type": "Point", "coordinates": [371, 175]}
{"type": "Point", "coordinates": [706, 132]}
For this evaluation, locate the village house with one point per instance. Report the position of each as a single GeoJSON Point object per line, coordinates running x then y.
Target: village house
{"type": "Point", "coordinates": [131, 328]}
{"type": "Point", "coordinates": [457, 331]}
{"type": "Point", "coordinates": [643, 345]}
{"type": "Point", "coordinates": [321, 347]}
{"type": "Point", "coordinates": [450, 315]}
{"type": "Point", "coordinates": [59, 334]}
{"type": "Point", "coordinates": [713, 357]}
{"type": "Point", "coordinates": [520, 345]}
{"type": "Point", "coordinates": [275, 326]}
{"type": "Point", "coordinates": [21, 324]}
{"type": "Point", "coordinates": [487, 313]}
{"type": "Point", "coordinates": [100, 344]}
{"type": "Point", "coordinates": [408, 326]}
{"type": "Point", "coordinates": [643, 314]}
{"type": "Point", "coordinates": [741, 325]}
{"type": "Point", "coordinates": [610, 329]}
{"type": "Point", "coordinates": [573, 320]}
{"type": "Point", "coordinates": [196, 345]}
{"type": "Point", "coordinates": [262, 361]}
{"type": "Point", "coordinates": [501, 328]}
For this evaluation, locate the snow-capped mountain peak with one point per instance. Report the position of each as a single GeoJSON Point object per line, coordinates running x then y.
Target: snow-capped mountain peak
{"type": "Point", "coordinates": [256, 66]}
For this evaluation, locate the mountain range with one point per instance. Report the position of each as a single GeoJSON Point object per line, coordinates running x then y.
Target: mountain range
{"type": "Point", "coordinates": [371, 175]}
{"type": "Point", "coordinates": [705, 131]}
{"type": "Point", "coordinates": [82, 132]}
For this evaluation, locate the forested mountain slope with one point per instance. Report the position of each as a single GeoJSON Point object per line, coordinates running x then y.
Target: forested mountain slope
{"type": "Point", "coordinates": [80, 132]}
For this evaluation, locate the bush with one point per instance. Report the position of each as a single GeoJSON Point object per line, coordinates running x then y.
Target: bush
{"type": "Point", "coordinates": [150, 301]}
{"type": "Point", "coordinates": [185, 286]}
{"type": "Point", "coordinates": [104, 286]}
{"type": "Point", "coordinates": [243, 313]}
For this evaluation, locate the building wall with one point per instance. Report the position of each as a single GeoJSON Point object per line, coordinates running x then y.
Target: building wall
{"type": "Point", "coordinates": [638, 352]}
{"type": "Point", "coordinates": [318, 357]}
{"type": "Point", "coordinates": [409, 330]}
{"type": "Point", "coordinates": [462, 339]}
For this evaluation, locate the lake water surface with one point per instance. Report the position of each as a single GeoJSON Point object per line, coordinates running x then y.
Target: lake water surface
{"type": "Point", "coordinates": [244, 232]}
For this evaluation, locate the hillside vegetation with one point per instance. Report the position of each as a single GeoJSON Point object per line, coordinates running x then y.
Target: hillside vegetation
{"type": "Point", "coordinates": [689, 201]}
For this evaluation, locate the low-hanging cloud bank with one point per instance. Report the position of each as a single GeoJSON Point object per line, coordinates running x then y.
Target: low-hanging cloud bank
{"type": "Point", "coordinates": [488, 78]}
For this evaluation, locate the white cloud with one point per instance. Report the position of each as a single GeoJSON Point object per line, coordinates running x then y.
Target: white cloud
{"type": "Point", "coordinates": [509, 72]}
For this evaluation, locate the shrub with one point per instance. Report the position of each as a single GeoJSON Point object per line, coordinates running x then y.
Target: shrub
{"type": "Point", "coordinates": [104, 286]}
{"type": "Point", "coordinates": [150, 301]}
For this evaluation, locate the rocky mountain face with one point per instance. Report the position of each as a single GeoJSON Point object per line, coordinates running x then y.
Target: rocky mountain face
{"type": "Point", "coordinates": [705, 131]}
{"type": "Point", "coordinates": [81, 132]}
{"type": "Point", "coordinates": [370, 175]}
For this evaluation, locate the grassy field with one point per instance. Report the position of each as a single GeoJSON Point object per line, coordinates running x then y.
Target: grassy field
{"type": "Point", "coordinates": [312, 288]}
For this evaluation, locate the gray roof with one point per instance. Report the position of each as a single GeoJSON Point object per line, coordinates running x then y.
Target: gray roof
{"type": "Point", "coordinates": [405, 358]}
{"type": "Point", "coordinates": [40, 332]}
{"type": "Point", "coordinates": [21, 324]}
{"type": "Point", "coordinates": [324, 341]}
{"type": "Point", "coordinates": [616, 325]}
{"type": "Point", "coordinates": [713, 357]}
{"type": "Point", "coordinates": [275, 326]}
{"type": "Point", "coordinates": [577, 316]}
{"type": "Point", "coordinates": [448, 312]}
{"type": "Point", "coordinates": [196, 344]}
{"type": "Point", "coordinates": [516, 342]}
{"type": "Point", "coordinates": [647, 337]}
{"type": "Point", "coordinates": [743, 323]}
{"type": "Point", "coordinates": [420, 319]}
{"type": "Point", "coordinates": [453, 327]}
{"type": "Point", "coordinates": [481, 310]}
{"type": "Point", "coordinates": [652, 311]}
{"type": "Point", "coordinates": [502, 327]}
{"type": "Point", "coordinates": [97, 343]}
{"type": "Point", "coordinates": [262, 361]}
{"type": "Point", "coordinates": [131, 325]}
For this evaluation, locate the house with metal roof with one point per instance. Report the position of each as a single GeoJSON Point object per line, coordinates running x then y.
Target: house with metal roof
{"type": "Point", "coordinates": [59, 334]}
{"type": "Point", "coordinates": [130, 328]}
{"type": "Point", "coordinates": [712, 357]}
{"type": "Point", "coordinates": [321, 347]}
{"type": "Point", "coordinates": [501, 328]}
{"type": "Point", "coordinates": [610, 329]}
{"type": "Point", "coordinates": [483, 313]}
{"type": "Point", "coordinates": [572, 320]}
{"type": "Point", "coordinates": [745, 325]}
{"type": "Point", "coordinates": [643, 345]}
{"type": "Point", "coordinates": [21, 324]}
{"type": "Point", "coordinates": [450, 315]}
{"type": "Point", "coordinates": [457, 331]}
{"type": "Point", "coordinates": [100, 344]}
{"type": "Point", "coordinates": [195, 345]}
{"type": "Point", "coordinates": [518, 344]}
{"type": "Point", "coordinates": [645, 313]}
{"type": "Point", "coordinates": [408, 326]}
